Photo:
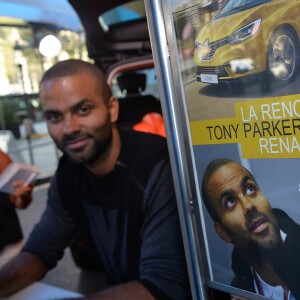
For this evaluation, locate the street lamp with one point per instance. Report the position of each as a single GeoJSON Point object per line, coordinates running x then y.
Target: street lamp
{"type": "Point", "coordinates": [50, 46]}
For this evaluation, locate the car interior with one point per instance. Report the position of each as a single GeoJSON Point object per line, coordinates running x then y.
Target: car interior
{"type": "Point", "coordinates": [135, 105]}
{"type": "Point", "coordinates": [109, 42]}
{"type": "Point", "coordinates": [123, 52]}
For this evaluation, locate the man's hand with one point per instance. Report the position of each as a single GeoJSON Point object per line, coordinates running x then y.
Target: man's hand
{"type": "Point", "coordinates": [22, 196]}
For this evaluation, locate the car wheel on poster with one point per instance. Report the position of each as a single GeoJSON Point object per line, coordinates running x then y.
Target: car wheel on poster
{"type": "Point", "coordinates": [282, 56]}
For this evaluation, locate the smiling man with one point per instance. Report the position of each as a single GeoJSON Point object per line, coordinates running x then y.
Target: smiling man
{"type": "Point", "coordinates": [113, 187]}
{"type": "Point", "coordinates": [265, 256]}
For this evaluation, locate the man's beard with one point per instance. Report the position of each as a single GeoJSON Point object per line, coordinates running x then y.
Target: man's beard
{"type": "Point", "coordinates": [261, 255]}
{"type": "Point", "coordinates": [262, 252]}
{"type": "Point", "coordinates": [98, 149]}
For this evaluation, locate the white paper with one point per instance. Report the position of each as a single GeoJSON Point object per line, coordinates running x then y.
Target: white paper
{"type": "Point", "coordinates": [16, 172]}
{"type": "Point", "coordinates": [42, 291]}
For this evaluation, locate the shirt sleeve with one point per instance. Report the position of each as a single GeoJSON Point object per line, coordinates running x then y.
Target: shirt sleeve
{"type": "Point", "coordinates": [162, 264]}
{"type": "Point", "coordinates": [54, 232]}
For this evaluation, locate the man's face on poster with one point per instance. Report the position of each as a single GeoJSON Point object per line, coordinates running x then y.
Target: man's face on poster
{"type": "Point", "coordinates": [245, 215]}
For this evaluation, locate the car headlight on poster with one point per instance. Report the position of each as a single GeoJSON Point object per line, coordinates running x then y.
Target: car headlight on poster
{"type": "Point", "coordinates": [244, 33]}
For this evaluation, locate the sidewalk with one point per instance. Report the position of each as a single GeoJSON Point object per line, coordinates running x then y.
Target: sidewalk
{"type": "Point", "coordinates": [39, 150]}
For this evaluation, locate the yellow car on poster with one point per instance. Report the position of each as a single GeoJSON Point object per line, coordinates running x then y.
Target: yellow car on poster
{"type": "Point", "coordinates": [250, 37]}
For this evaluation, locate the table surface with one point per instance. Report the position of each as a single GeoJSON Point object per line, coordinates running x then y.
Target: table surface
{"type": "Point", "coordinates": [42, 291]}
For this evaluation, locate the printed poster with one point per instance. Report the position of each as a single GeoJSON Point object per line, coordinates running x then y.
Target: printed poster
{"type": "Point", "coordinates": [239, 63]}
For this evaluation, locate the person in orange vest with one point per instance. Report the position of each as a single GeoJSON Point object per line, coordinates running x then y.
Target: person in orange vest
{"type": "Point", "coordinates": [152, 123]}
{"type": "Point", "coordinates": [10, 229]}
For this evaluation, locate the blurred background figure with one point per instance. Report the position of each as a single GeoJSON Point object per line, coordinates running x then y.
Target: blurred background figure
{"type": "Point", "coordinates": [10, 230]}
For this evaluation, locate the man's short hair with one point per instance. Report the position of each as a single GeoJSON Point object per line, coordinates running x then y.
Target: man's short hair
{"type": "Point", "coordinates": [73, 67]}
{"type": "Point", "coordinates": [212, 167]}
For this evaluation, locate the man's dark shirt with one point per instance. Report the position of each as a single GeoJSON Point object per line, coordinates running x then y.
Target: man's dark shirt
{"type": "Point", "coordinates": [130, 216]}
{"type": "Point", "coordinates": [286, 260]}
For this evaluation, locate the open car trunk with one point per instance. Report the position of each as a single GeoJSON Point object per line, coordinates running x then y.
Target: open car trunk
{"type": "Point", "coordinates": [119, 41]}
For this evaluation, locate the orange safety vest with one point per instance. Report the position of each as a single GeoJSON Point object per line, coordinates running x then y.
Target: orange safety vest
{"type": "Point", "coordinates": [152, 123]}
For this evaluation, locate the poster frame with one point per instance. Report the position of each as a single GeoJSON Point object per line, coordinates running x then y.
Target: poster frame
{"type": "Point", "coordinates": [167, 65]}
{"type": "Point", "coordinates": [174, 111]}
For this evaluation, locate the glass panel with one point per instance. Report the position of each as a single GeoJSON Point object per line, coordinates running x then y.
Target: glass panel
{"type": "Point", "coordinates": [128, 12]}
{"type": "Point", "coordinates": [150, 84]}
{"type": "Point", "coordinates": [237, 82]}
